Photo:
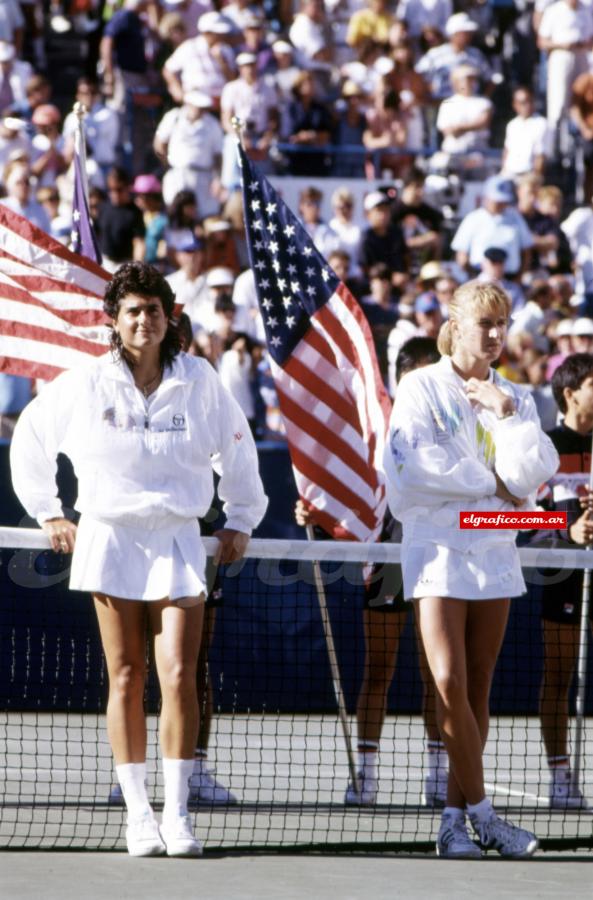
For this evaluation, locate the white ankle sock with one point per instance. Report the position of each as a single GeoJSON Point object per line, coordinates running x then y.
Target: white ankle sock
{"type": "Point", "coordinates": [454, 811]}
{"type": "Point", "coordinates": [177, 773]}
{"type": "Point", "coordinates": [559, 768]}
{"type": "Point", "coordinates": [367, 762]}
{"type": "Point", "coordinates": [132, 778]}
{"type": "Point", "coordinates": [480, 812]}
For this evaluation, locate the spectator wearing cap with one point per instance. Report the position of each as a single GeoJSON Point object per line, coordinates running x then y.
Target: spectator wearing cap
{"type": "Point", "coordinates": [386, 131]}
{"type": "Point", "coordinates": [122, 53]}
{"type": "Point", "coordinates": [428, 314]}
{"type": "Point", "coordinates": [188, 282]}
{"type": "Point", "coordinates": [14, 75]}
{"type": "Point", "coordinates": [528, 139]}
{"type": "Point", "coordinates": [101, 126]}
{"type": "Point", "coordinates": [370, 25]}
{"type": "Point", "coordinates": [382, 240]}
{"type": "Point", "coordinates": [496, 223]}
{"type": "Point", "coordinates": [308, 124]}
{"type": "Point", "coordinates": [380, 309]}
{"type": "Point", "coordinates": [348, 131]}
{"type": "Point", "coordinates": [311, 34]}
{"type": "Point", "coordinates": [565, 33]}
{"type": "Point", "coordinates": [582, 335]}
{"type": "Point", "coordinates": [562, 338]}
{"type": "Point", "coordinates": [17, 181]}
{"type": "Point", "coordinates": [464, 118]}
{"type": "Point", "coordinates": [204, 63]}
{"type": "Point", "coordinates": [221, 245]}
{"type": "Point", "coordinates": [284, 73]}
{"type": "Point", "coordinates": [438, 63]}
{"type": "Point", "coordinates": [535, 315]}
{"type": "Point", "coordinates": [420, 222]}
{"type": "Point", "coordinates": [188, 12]}
{"type": "Point", "coordinates": [323, 236]}
{"type": "Point", "coordinates": [14, 142]}
{"type": "Point", "coordinates": [121, 224]}
{"type": "Point", "coordinates": [541, 207]}
{"type": "Point", "coordinates": [47, 161]}
{"type": "Point", "coordinates": [255, 103]}
{"type": "Point", "coordinates": [149, 200]}
{"type": "Point", "coordinates": [189, 140]}
{"type": "Point", "coordinates": [492, 269]}
{"type": "Point", "coordinates": [254, 41]}
{"type": "Point", "coordinates": [347, 231]}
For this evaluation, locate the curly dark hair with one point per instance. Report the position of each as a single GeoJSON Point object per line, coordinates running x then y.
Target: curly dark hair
{"type": "Point", "coordinates": [571, 374]}
{"type": "Point", "coordinates": [144, 280]}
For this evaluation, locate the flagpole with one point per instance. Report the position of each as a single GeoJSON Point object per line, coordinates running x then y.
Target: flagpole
{"type": "Point", "coordinates": [333, 664]}
{"type": "Point", "coordinates": [80, 112]}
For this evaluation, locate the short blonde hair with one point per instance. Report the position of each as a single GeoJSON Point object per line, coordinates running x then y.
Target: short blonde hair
{"type": "Point", "coordinates": [485, 296]}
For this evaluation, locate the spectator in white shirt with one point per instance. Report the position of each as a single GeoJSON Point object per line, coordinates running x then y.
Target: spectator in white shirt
{"type": "Point", "coordinates": [324, 238]}
{"type": "Point", "coordinates": [566, 34]}
{"type": "Point", "coordinates": [464, 119]}
{"type": "Point", "coordinates": [189, 139]}
{"type": "Point", "coordinates": [14, 75]}
{"type": "Point", "coordinates": [527, 141]}
{"type": "Point", "coordinates": [342, 223]}
{"type": "Point", "coordinates": [189, 281]}
{"type": "Point", "coordinates": [101, 126]}
{"type": "Point", "coordinates": [439, 62]}
{"type": "Point", "coordinates": [203, 63]}
{"type": "Point", "coordinates": [311, 33]}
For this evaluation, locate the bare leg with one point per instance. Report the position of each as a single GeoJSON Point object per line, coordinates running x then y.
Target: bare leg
{"type": "Point", "coordinates": [382, 632]}
{"type": "Point", "coordinates": [122, 624]}
{"type": "Point", "coordinates": [177, 634]}
{"type": "Point", "coordinates": [560, 656]}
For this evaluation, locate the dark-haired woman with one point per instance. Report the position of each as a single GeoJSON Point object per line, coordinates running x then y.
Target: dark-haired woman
{"type": "Point", "coordinates": [143, 426]}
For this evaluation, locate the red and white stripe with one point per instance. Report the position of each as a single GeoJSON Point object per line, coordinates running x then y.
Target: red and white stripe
{"type": "Point", "coordinates": [336, 413]}
{"type": "Point", "coordinates": [51, 302]}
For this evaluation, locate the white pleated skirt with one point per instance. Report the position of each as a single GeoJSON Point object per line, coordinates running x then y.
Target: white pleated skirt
{"type": "Point", "coordinates": [486, 571]}
{"type": "Point", "coordinates": [139, 563]}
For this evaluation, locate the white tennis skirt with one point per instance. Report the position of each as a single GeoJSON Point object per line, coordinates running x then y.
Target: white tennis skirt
{"type": "Point", "coordinates": [137, 563]}
{"type": "Point", "coordinates": [487, 571]}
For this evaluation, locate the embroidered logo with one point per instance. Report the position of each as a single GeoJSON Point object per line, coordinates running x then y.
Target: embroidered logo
{"type": "Point", "coordinates": [238, 436]}
{"type": "Point", "coordinates": [178, 420]}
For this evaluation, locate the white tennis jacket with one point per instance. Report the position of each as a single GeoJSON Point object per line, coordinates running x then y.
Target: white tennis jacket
{"type": "Point", "coordinates": [442, 453]}
{"type": "Point", "coordinates": [139, 463]}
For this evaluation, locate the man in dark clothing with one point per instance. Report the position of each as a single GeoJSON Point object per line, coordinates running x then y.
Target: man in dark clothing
{"type": "Point", "coordinates": [383, 241]}
{"type": "Point", "coordinates": [420, 223]}
{"type": "Point", "coordinates": [572, 384]}
{"type": "Point", "coordinates": [120, 223]}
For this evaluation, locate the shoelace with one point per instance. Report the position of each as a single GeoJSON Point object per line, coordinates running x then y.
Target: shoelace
{"type": "Point", "coordinates": [455, 830]}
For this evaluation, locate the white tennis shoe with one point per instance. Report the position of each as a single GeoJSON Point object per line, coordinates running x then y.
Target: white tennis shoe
{"type": "Point", "coordinates": [177, 833]}
{"type": "Point", "coordinates": [204, 788]}
{"type": "Point", "coordinates": [565, 795]}
{"type": "Point", "coordinates": [435, 789]}
{"type": "Point", "coordinates": [454, 842]}
{"type": "Point", "coordinates": [143, 836]}
{"type": "Point", "coordinates": [366, 795]}
{"type": "Point", "coordinates": [510, 841]}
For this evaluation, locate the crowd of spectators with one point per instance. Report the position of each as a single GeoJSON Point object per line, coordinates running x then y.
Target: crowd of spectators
{"type": "Point", "coordinates": [418, 97]}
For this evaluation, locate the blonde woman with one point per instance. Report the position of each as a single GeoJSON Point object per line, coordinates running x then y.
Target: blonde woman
{"type": "Point", "coordinates": [464, 439]}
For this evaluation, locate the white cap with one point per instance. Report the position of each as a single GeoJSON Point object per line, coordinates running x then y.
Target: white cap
{"type": "Point", "coordinates": [564, 328]}
{"type": "Point", "coordinates": [246, 59]}
{"type": "Point", "coordinates": [375, 198]}
{"type": "Point", "coordinates": [219, 276]}
{"type": "Point", "coordinates": [282, 47]}
{"type": "Point", "coordinates": [583, 326]}
{"type": "Point", "coordinates": [7, 51]}
{"type": "Point", "coordinates": [459, 22]}
{"type": "Point", "coordinates": [214, 23]}
{"type": "Point", "coordinates": [198, 99]}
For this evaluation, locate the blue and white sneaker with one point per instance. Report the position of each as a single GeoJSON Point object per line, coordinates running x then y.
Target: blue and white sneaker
{"type": "Point", "coordinates": [454, 842]}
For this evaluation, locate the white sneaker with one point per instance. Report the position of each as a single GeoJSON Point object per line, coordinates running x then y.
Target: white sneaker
{"type": "Point", "coordinates": [565, 795]}
{"type": "Point", "coordinates": [366, 794]}
{"type": "Point", "coordinates": [179, 837]}
{"type": "Point", "coordinates": [204, 788]}
{"type": "Point", "coordinates": [143, 836]}
{"type": "Point", "coordinates": [116, 795]}
{"type": "Point", "coordinates": [435, 789]}
{"type": "Point", "coordinates": [454, 842]}
{"type": "Point", "coordinates": [510, 841]}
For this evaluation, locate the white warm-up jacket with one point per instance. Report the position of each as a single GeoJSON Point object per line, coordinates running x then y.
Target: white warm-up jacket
{"type": "Point", "coordinates": [442, 453]}
{"type": "Point", "coordinates": [139, 463]}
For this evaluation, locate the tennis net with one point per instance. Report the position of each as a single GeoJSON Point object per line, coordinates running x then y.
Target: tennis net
{"type": "Point", "coordinates": [277, 741]}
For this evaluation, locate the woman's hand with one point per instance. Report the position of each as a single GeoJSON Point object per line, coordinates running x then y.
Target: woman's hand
{"type": "Point", "coordinates": [231, 546]}
{"type": "Point", "coordinates": [303, 515]}
{"type": "Point", "coordinates": [581, 531]}
{"type": "Point", "coordinates": [503, 492]}
{"type": "Point", "coordinates": [490, 397]}
{"type": "Point", "coordinates": [61, 533]}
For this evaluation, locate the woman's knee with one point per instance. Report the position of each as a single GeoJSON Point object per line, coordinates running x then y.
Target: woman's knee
{"type": "Point", "coordinates": [127, 681]}
{"type": "Point", "coordinates": [177, 678]}
{"type": "Point", "coordinates": [450, 687]}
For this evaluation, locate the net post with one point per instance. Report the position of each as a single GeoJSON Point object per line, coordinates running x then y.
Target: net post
{"type": "Point", "coordinates": [333, 663]}
{"type": "Point", "coordinates": [582, 660]}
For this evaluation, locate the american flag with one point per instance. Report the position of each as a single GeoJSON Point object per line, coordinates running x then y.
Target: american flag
{"type": "Point", "coordinates": [82, 237]}
{"type": "Point", "coordinates": [332, 399]}
{"type": "Point", "coordinates": [51, 307]}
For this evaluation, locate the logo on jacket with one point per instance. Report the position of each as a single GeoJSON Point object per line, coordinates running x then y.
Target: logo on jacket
{"type": "Point", "coordinates": [178, 420]}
